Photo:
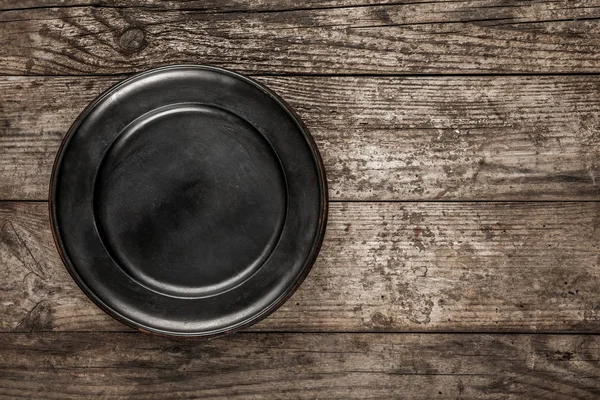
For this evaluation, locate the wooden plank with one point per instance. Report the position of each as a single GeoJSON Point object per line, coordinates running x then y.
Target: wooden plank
{"type": "Point", "coordinates": [385, 267]}
{"type": "Point", "coordinates": [278, 5]}
{"type": "Point", "coordinates": [460, 138]}
{"type": "Point", "coordinates": [413, 38]}
{"type": "Point", "coordinates": [299, 366]}
{"type": "Point", "coordinates": [200, 5]}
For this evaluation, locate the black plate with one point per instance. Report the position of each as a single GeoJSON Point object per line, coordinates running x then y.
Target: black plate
{"type": "Point", "coordinates": [188, 200]}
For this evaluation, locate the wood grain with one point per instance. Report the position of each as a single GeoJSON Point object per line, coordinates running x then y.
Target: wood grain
{"type": "Point", "coordinates": [460, 138]}
{"type": "Point", "coordinates": [202, 5]}
{"type": "Point", "coordinates": [299, 366]}
{"type": "Point", "coordinates": [441, 37]}
{"type": "Point", "coordinates": [384, 267]}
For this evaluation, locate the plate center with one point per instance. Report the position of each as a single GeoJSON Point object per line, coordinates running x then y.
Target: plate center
{"type": "Point", "coordinates": [190, 200]}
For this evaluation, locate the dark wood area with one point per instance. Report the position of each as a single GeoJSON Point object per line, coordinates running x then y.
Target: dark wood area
{"type": "Point", "coordinates": [303, 366]}
{"type": "Point", "coordinates": [461, 142]}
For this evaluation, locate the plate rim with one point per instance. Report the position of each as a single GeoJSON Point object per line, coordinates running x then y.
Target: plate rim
{"type": "Point", "coordinates": [252, 319]}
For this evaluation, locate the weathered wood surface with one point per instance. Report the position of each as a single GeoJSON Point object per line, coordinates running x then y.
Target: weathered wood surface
{"type": "Point", "coordinates": [521, 267]}
{"type": "Point", "coordinates": [575, 6]}
{"type": "Point", "coordinates": [415, 37]}
{"type": "Point", "coordinates": [459, 138]}
{"type": "Point", "coordinates": [206, 5]}
{"type": "Point", "coordinates": [299, 366]}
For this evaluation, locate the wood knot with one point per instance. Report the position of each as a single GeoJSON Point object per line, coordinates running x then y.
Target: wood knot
{"type": "Point", "coordinates": [132, 40]}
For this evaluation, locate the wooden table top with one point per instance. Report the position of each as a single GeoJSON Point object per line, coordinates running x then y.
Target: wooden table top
{"type": "Point", "coordinates": [461, 141]}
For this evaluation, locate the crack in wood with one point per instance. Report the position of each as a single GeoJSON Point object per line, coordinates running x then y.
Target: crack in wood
{"type": "Point", "coordinates": [38, 270]}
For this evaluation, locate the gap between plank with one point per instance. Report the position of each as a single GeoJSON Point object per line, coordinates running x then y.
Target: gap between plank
{"type": "Point", "coordinates": [388, 201]}
{"type": "Point", "coordinates": [326, 75]}
{"type": "Point", "coordinates": [300, 332]}
{"type": "Point", "coordinates": [213, 11]}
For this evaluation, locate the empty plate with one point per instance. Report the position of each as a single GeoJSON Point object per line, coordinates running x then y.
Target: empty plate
{"type": "Point", "coordinates": [188, 200]}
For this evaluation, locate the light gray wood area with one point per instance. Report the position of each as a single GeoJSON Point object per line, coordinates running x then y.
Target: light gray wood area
{"type": "Point", "coordinates": [384, 267]}
{"type": "Point", "coordinates": [384, 138]}
{"type": "Point", "coordinates": [432, 37]}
